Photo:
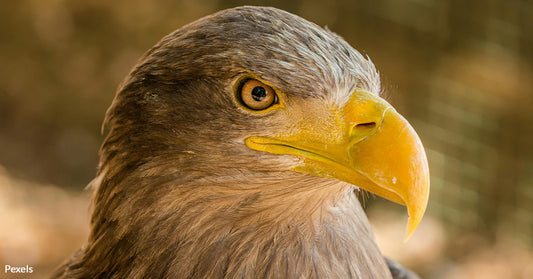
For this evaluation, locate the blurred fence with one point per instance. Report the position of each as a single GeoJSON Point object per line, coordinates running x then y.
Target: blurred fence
{"type": "Point", "coordinates": [471, 103]}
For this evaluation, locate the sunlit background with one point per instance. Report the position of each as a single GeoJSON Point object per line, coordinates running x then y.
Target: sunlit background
{"type": "Point", "coordinates": [460, 71]}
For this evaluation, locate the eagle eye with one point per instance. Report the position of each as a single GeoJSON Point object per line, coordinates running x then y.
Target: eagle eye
{"type": "Point", "coordinates": [256, 95]}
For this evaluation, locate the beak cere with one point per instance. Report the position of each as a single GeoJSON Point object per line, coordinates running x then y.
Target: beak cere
{"type": "Point", "coordinates": [379, 152]}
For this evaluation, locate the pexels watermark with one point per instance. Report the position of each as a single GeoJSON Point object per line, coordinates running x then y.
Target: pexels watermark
{"type": "Point", "coordinates": [18, 269]}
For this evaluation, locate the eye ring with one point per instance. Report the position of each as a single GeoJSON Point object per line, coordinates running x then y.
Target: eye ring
{"type": "Point", "coordinates": [256, 95]}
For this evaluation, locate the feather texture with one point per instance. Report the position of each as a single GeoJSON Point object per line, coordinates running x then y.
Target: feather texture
{"type": "Point", "coordinates": [179, 195]}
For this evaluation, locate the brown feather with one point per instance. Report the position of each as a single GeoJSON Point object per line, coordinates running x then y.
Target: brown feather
{"type": "Point", "coordinates": [179, 195]}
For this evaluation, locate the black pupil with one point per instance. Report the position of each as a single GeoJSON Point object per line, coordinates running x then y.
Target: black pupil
{"type": "Point", "coordinates": [259, 93]}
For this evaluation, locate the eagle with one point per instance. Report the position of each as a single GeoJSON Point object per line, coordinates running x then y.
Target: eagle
{"type": "Point", "coordinates": [237, 147]}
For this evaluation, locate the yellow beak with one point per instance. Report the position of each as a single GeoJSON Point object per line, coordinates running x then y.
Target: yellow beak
{"type": "Point", "coordinates": [370, 146]}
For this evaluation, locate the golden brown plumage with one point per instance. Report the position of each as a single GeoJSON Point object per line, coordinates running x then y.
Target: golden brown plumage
{"type": "Point", "coordinates": [191, 183]}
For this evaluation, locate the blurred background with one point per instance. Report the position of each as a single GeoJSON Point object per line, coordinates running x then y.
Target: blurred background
{"type": "Point", "coordinates": [460, 71]}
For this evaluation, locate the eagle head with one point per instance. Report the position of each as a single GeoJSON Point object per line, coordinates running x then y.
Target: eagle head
{"type": "Point", "coordinates": [235, 148]}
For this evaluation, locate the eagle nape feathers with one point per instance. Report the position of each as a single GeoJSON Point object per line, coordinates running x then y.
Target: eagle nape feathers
{"type": "Point", "coordinates": [235, 148]}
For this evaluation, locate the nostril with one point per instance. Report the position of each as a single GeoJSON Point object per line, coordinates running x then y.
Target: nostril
{"type": "Point", "coordinates": [368, 125]}
{"type": "Point", "coordinates": [362, 130]}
